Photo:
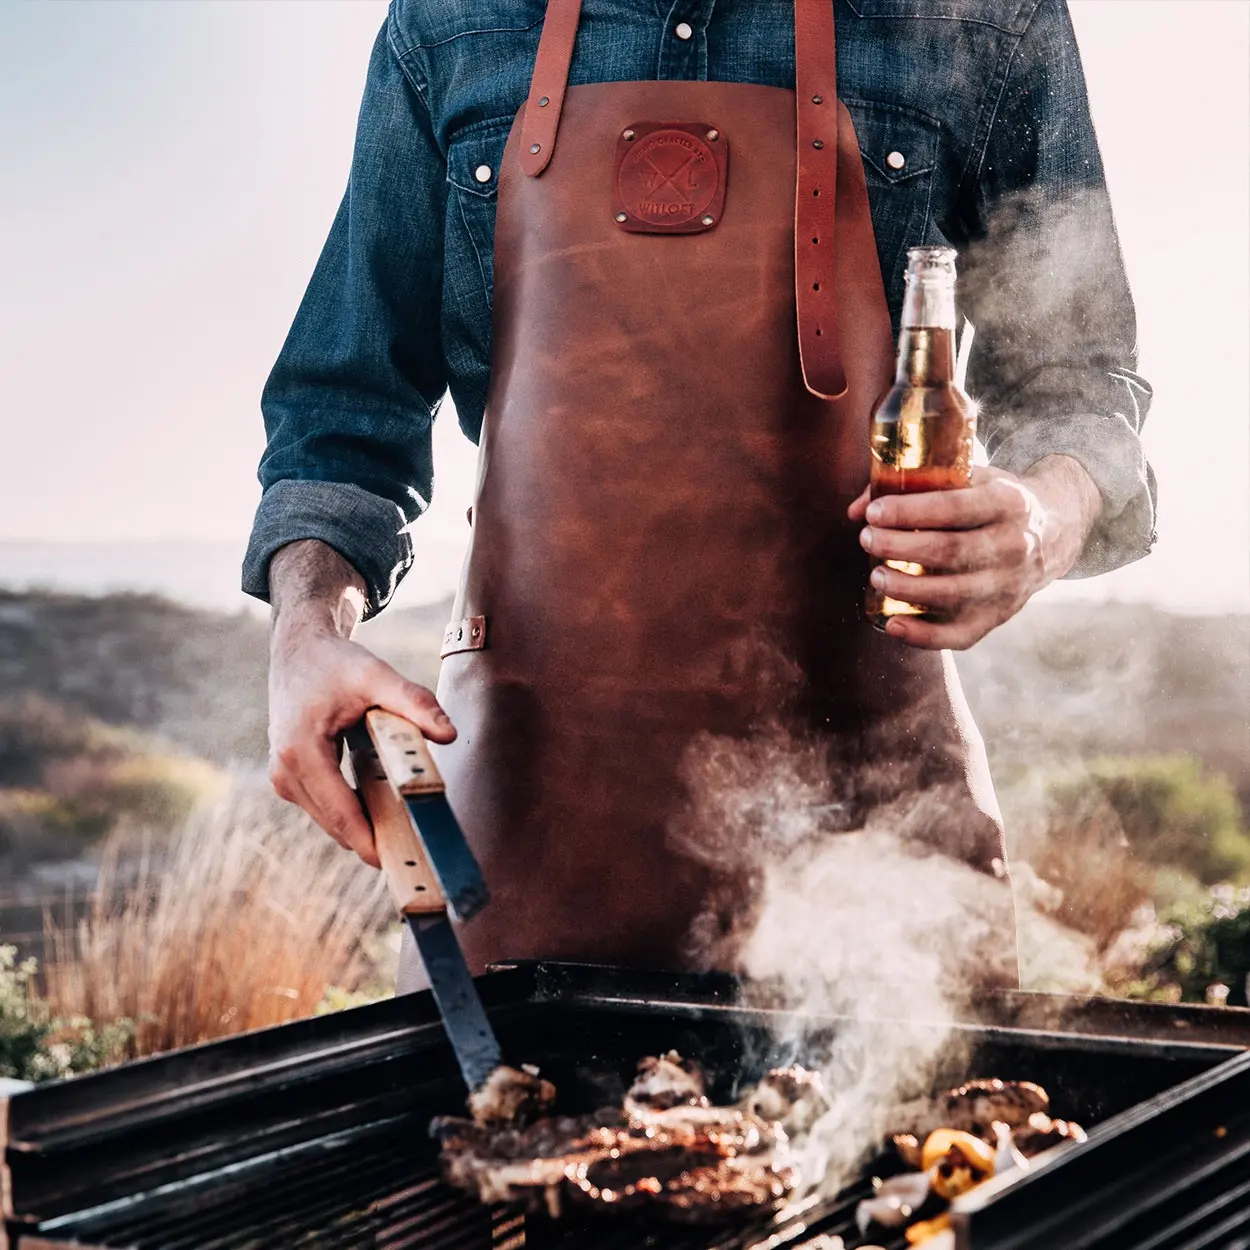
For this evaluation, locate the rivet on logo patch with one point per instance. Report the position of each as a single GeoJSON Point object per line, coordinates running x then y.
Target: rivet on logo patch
{"type": "Point", "coordinates": [670, 177]}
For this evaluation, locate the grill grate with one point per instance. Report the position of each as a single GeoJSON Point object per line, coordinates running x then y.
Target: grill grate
{"type": "Point", "coordinates": [385, 1197]}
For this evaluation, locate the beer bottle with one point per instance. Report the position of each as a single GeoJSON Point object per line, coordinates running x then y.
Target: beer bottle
{"type": "Point", "coordinates": [923, 428]}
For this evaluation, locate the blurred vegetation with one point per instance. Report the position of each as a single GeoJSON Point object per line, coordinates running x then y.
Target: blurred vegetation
{"type": "Point", "coordinates": [245, 916]}
{"type": "Point", "coordinates": [35, 1045]}
{"type": "Point", "coordinates": [1198, 951]}
{"type": "Point", "coordinates": [1169, 810]}
{"type": "Point", "coordinates": [67, 779]}
{"type": "Point", "coordinates": [1117, 834]}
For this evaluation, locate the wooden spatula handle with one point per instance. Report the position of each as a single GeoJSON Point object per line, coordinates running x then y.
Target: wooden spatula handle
{"type": "Point", "coordinates": [411, 880]}
{"type": "Point", "coordinates": [404, 753]}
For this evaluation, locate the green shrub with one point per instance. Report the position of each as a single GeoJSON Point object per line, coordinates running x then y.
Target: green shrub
{"type": "Point", "coordinates": [1169, 811]}
{"type": "Point", "coordinates": [1208, 941]}
{"type": "Point", "coordinates": [34, 1045]}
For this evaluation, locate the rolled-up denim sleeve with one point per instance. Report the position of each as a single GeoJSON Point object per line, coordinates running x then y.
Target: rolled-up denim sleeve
{"type": "Point", "coordinates": [349, 405]}
{"type": "Point", "coordinates": [1054, 365]}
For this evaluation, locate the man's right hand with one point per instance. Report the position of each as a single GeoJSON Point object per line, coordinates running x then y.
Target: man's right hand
{"type": "Point", "coordinates": [321, 683]}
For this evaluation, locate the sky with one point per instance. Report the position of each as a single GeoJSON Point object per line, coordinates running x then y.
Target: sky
{"type": "Point", "coordinates": [170, 171]}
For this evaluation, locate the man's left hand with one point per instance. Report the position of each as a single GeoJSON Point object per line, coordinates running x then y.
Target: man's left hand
{"type": "Point", "coordinates": [985, 548]}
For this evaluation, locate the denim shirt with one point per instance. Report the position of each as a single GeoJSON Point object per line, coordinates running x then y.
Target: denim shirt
{"type": "Point", "coordinates": [974, 128]}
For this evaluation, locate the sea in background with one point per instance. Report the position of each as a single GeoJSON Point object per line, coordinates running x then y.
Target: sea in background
{"type": "Point", "coordinates": [205, 574]}
{"type": "Point", "coordinates": [195, 572]}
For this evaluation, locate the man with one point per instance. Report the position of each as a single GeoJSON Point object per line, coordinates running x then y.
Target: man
{"type": "Point", "coordinates": [669, 531]}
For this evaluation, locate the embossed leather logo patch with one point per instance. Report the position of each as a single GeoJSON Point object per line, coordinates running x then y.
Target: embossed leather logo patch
{"type": "Point", "coordinates": [670, 177]}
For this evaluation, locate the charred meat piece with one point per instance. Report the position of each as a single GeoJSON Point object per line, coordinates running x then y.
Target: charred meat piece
{"type": "Point", "coordinates": [511, 1097]}
{"type": "Point", "coordinates": [1040, 1133]}
{"type": "Point", "coordinates": [666, 1082]}
{"type": "Point", "coordinates": [972, 1108]}
{"type": "Point", "coordinates": [793, 1097]}
{"type": "Point", "coordinates": [667, 1147]}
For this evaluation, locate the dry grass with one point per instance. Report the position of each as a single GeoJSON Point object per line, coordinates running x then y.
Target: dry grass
{"type": "Point", "coordinates": [243, 920]}
{"type": "Point", "coordinates": [1103, 883]}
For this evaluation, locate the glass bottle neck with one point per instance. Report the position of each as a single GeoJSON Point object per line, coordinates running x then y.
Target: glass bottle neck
{"type": "Point", "coordinates": [926, 357]}
{"type": "Point", "coordinates": [926, 344]}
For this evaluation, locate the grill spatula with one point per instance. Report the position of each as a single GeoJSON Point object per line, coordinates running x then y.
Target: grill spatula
{"type": "Point", "coordinates": [431, 872]}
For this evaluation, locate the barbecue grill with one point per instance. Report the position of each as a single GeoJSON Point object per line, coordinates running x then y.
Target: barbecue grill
{"type": "Point", "coordinates": [316, 1133]}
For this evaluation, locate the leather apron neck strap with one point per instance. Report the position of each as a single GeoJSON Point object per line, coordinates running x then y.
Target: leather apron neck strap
{"type": "Point", "coordinates": [816, 93]}
{"type": "Point", "coordinates": [547, 87]}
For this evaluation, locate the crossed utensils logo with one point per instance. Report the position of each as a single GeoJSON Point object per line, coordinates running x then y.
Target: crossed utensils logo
{"type": "Point", "coordinates": [658, 179]}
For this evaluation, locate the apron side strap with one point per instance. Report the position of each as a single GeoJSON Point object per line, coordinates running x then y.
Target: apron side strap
{"type": "Point", "coordinates": [551, 77]}
{"type": "Point", "coordinates": [816, 92]}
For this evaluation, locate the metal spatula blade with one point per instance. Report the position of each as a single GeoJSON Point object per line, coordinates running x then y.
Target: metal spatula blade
{"type": "Point", "coordinates": [383, 754]}
{"type": "Point", "coordinates": [464, 1017]}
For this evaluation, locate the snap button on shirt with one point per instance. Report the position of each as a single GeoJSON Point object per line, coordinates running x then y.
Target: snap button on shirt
{"type": "Point", "coordinates": [896, 160]}
{"type": "Point", "coordinates": [683, 30]}
{"type": "Point", "coordinates": [483, 173]}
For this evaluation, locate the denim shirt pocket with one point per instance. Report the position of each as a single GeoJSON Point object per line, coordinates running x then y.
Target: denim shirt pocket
{"type": "Point", "coordinates": [900, 150]}
{"type": "Point", "coordinates": [474, 156]}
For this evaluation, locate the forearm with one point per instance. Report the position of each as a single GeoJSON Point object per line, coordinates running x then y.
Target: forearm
{"type": "Point", "coordinates": [311, 586]}
{"type": "Point", "coordinates": [1072, 505]}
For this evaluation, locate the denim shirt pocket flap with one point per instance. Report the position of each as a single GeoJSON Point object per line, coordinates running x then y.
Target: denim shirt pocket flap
{"type": "Point", "coordinates": [475, 155]}
{"type": "Point", "coordinates": [897, 145]}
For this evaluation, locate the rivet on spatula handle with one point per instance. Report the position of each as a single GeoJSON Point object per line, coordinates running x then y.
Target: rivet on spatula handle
{"type": "Point", "coordinates": [409, 876]}
{"type": "Point", "coordinates": [404, 753]}
{"type": "Point", "coordinates": [410, 768]}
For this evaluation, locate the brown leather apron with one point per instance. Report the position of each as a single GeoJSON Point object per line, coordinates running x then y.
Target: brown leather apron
{"type": "Point", "coordinates": [687, 344]}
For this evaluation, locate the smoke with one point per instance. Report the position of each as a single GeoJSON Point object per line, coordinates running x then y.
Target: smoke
{"type": "Point", "coordinates": [864, 924]}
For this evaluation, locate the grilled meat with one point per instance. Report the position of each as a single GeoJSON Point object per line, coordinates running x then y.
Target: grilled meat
{"type": "Point", "coordinates": [1039, 1132]}
{"type": "Point", "coordinates": [972, 1108]}
{"type": "Point", "coordinates": [666, 1082]}
{"type": "Point", "coordinates": [793, 1097]}
{"type": "Point", "coordinates": [511, 1097]}
{"type": "Point", "coordinates": [667, 1147]}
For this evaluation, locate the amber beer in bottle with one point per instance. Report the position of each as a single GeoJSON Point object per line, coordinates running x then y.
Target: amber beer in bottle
{"type": "Point", "coordinates": [924, 426]}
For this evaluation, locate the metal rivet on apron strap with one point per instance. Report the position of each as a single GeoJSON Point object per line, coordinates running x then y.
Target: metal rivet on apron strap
{"type": "Point", "coordinates": [468, 634]}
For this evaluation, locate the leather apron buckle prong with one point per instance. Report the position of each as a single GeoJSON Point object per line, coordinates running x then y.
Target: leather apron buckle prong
{"type": "Point", "coordinates": [669, 177]}
{"type": "Point", "coordinates": [468, 634]}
